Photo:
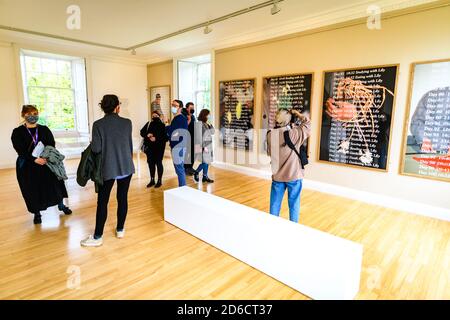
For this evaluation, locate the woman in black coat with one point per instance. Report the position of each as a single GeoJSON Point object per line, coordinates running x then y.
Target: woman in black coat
{"type": "Point", "coordinates": [155, 139]}
{"type": "Point", "coordinates": [40, 187]}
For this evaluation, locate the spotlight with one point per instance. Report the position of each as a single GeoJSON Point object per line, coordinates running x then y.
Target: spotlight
{"type": "Point", "coordinates": [207, 29]}
{"type": "Point", "coordinates": [275, 9]}
{"type": "Point", "coordinates": [133, 52]}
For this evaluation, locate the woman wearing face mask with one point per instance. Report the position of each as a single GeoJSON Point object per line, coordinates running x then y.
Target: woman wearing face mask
{"type": "Point", "coordinates": [40, 187]}
{"type": "Point", "coordinates": [155, 138]}
{"type": "Point", "coordinates": [207, 152]}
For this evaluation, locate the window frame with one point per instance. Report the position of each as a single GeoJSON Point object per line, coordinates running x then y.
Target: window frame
{"type": "Point", "coordinates": [25, 72]}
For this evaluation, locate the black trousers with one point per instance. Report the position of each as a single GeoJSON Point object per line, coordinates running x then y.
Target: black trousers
{"type": "Point", "coordinates": [104, 193]}
{"type": "Point", "coordinates": [155, 162]}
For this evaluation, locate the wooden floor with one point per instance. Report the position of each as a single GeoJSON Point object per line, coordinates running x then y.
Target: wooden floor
{"type": "Point", "coordinates": [405, 256]}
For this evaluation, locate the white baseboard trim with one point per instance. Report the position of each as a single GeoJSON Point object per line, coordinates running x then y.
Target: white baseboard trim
{"type": "Point", "coordinates": [368, 197]}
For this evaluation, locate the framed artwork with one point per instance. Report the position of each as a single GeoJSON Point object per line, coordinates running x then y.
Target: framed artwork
{"type": "Point", "coordinates": [356, 116]}
{"type": "Point", "coordinates": [160, 99]}
{"type": "Point", "coordinates": [293, 91]}
{"type": "Point", "coordinates": [236, 110]}
{"type": "Point", "coordinates": [426, 136]}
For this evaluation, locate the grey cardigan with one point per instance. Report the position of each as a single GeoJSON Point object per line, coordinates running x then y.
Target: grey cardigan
{"type": "Point", "coordinates": [112, 136]}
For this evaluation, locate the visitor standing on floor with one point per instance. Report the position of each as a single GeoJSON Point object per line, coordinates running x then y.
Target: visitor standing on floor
{"type": "Point", "coordinates": [206, 157]}
{"type": "Point", "coordinates": [112, 137]}
{"type": "Point", "coordinates": [178, 134]}
{"type": "Point", "coordinates": [40, 187]}
{"type": "Point", "coordinates": [287, 159]}
{"type": "Point", "coordinates": [190, 155]}
{"type": "Point", "coordinates": [155, 139]}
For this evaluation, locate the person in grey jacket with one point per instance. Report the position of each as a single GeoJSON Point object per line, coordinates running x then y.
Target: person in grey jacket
{"type": "Point", "coordinates": [112, 137]}
{"type": "Point", "coordinates": [206, 155]}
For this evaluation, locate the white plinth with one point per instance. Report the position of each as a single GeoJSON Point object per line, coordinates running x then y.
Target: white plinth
{"type": "Point", "coordinates": [315, 263]}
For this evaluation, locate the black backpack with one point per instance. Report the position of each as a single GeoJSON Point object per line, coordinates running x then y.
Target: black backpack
{"type": "Point", "coordinates": [302, 154]}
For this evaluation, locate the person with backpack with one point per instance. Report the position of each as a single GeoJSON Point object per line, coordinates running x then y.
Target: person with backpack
{"type": "Point", "coordinates": [285, 146]}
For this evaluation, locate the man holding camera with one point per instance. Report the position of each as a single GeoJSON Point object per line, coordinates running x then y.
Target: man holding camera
{"type": "Point", "coordinates": [288, 158]}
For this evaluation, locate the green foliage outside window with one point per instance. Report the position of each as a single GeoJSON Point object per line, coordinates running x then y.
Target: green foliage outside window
{"type": "Point", "coordinates": [49, 87]}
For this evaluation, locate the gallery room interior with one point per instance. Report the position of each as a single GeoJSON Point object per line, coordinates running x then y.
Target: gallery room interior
{"type": "Point", "coordinates": [147, 147]}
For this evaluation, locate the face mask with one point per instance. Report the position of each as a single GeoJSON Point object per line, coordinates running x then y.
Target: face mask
{"type": "Point", "coordinates": [32, 119]}
{"type": "Point", "coordinates": [192, 111]}
{"type": "Point", "coordinates": [174, 109]}
{"type": "Point", "coordinates": [155, 118]}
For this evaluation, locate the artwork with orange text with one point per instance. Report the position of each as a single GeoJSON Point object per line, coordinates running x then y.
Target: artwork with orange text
{"type": "Point", "coordinates": [236, 101]}
{"type": "Point", "coordinates": [356, 116]}
{"type": "Point", "coordinates": [426, 151]}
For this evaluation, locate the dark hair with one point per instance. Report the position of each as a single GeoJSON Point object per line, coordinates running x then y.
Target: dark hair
{"type": "Point", "coordinates": [189, 104]}
{"type": "Point", "coordinates": [203, 115]}
{"type": "Point", "coordinates": [28, 108]}
{"type": "Point", "coordinates": [109, 103]}
{"type": "Point", "coordinates": [180, 103]}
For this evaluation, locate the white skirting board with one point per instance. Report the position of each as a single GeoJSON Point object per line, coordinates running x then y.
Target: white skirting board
{"type": "Point", "coordinates": [315, 263]}
{"type": "Point", "coordinates": [379, 200]}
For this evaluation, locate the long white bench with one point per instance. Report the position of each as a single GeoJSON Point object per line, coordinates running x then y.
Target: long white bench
{"type": "Point", "coordinates": [315, 263]}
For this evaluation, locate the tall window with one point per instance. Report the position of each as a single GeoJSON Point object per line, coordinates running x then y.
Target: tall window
{"type": "Point", "coordinates": [57, 86]}
{"type": "Point", "coordinates": [194, 81]}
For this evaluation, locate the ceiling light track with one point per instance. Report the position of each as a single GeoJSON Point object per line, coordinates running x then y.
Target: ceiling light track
{"type": "Point", "coordinates": [205, 25]}
{"type": "Point", "coordinates": [208, 24]}
{"type": "Point", "coordinates": [47, 35]}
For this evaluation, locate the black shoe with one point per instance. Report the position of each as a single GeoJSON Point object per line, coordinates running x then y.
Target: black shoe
{"type": "Point", "coordinates": [189, 172]}
{"type": "Point", "coordinates": [65, 209]}
{"type": "Point", "coordinates": [208, 180]}
{"type": "Point", "coordinates": [37, 218]}
{"type": "Point", "coordinates": [158, 185]}
{"type": "Point", "coordinates": [151, 184]}
{"type": "Point", "coordinates": [196, 177]}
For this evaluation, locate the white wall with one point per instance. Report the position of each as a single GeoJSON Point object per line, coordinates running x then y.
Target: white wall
{"type": "Point", "coordinates": [8, 104]}
{"type": "Point", "coordinates": [126, 79]}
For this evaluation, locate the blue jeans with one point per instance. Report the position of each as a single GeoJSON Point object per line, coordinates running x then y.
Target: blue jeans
{"type": "Point", "coordinates": [178, 163]}
{"type": "Point", "coordinates": [276, 197]}
{"type": "Point", "coordinates": [203, 166]}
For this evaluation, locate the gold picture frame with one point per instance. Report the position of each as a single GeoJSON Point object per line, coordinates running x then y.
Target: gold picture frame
{"type": "Point", "coordinates": [312, 74]}
{"type": "Point", "coordinates": [406, 122]}
{"type": "Point", "coordinates": [166, 109]}
{"type": "Point", "coordinates": [397, 66]}
{"type": "Point", "coordinates": [219, 116]}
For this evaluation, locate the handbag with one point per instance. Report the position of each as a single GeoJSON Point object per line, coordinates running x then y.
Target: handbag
{"type": "Point", "coordinates": [143, 147]}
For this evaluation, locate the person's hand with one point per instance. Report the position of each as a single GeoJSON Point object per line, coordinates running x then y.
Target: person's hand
{"type": "Point", "coordinates": [41, 161]}
{"type": "Point", "coordinates": [339, 110]}
{"type": "Point", "coordinates": [300, 116]}
{"type": "Point", "coordinates": [152, 139]}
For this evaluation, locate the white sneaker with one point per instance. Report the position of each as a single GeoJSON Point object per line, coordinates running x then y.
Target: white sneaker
{"type": "Point", "coordinates": [91, 242]}
{"type": "Point", "coordinates": [120, 234]}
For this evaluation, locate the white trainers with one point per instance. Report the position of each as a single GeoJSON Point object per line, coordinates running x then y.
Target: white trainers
{"type": "Point", "coordinates": [120, 234]}
{"type": "Point", "coordinates": [91, 242]}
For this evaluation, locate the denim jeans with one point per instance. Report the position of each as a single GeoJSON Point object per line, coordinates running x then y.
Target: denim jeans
{"type": "Point", "coordinates": [178, 163]}
{"type": "Point", "coordinates": [276, 197]}
{"type": "Point", "coordinates": [203, 167]}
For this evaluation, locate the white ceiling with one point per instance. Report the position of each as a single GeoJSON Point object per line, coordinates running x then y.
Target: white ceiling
{"type": "Point", "coordinates": [125, 23]}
